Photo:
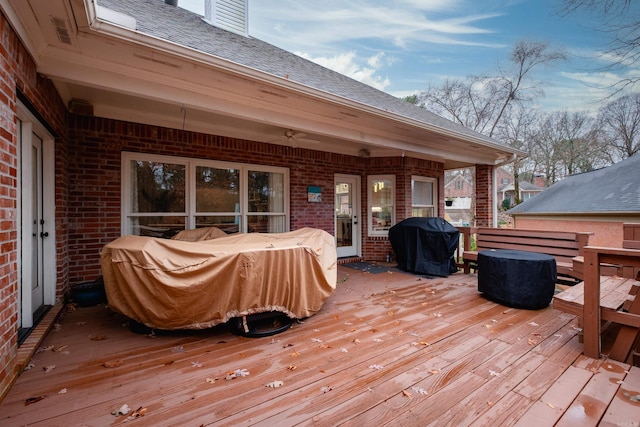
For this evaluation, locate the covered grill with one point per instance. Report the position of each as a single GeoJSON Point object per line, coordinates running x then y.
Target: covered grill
{"type": "Point", "coordinates": [425, 245]}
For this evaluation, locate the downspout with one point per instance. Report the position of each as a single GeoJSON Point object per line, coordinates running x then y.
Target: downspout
{"type": "Point", "coordinates": [513, 158]}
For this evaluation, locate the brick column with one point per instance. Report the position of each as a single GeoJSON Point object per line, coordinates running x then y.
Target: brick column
{"type": "Point", "coordinates": [484, 196]}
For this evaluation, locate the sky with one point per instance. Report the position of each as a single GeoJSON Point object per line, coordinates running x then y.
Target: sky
{"type": "Point", "coordinates": [405, 46]}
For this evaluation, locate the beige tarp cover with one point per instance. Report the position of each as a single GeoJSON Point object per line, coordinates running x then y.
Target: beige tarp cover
{"type": "Point", "coordinates": [176, 284]}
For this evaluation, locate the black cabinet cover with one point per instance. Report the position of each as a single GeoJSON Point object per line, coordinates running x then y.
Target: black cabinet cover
{"type": "Point", "coordinates": [425, 245]}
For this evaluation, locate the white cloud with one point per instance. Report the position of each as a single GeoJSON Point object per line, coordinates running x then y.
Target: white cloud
{"type": "Point", "coordinates": [351, 66]}
{"type": "Point", "coordinates": [296, 25]}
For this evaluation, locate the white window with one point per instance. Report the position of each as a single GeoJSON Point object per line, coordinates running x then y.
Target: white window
{"type": "Point", "coordinates": [163, 195]}
{"type": "Point", "coordinates": [423, 196]}
{"type": "Point", "coordinates": [381, 204]}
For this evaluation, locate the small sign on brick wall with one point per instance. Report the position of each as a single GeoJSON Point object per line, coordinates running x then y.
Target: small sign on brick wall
{"type": "Point", "coordinates": [314, 194]}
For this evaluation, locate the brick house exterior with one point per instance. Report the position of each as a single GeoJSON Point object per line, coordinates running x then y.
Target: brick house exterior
{"type": "Point", "coordinates": [81, 170]}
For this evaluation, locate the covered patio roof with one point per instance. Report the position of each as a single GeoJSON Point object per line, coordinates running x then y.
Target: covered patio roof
{"type": "Point", "coordinates": [152, 63]}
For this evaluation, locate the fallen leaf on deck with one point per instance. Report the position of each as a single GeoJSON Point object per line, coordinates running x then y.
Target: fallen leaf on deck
{"type": "Point", "coordinates": [316, 330]}
{"type": "Point", "coordinates": [81, 323]}
{"type": "Point", "coordinates": [29, 366]}
{"type": "Point", "coordinates": [419, 390]}
{"type": "Point", "coordinates": [113, 363]}
{"type": "Point", "coordinates": [377, 340]}
{"type": "Point", "coordinates": [390, 313]}
{"type": "Point", "coordinates": [46, 348]}
{"type": "Point", "coordinates": [344, 350]}
{"type": "Point", "coordinates": [356, 341]}
{"type": "Point", "coordinates": [31, 400]}
{"type": "Point", "coordinates": [98, 338]}
{"type": "Point", "coordinates": [140, 412]}
{"type": "Point", "coordinates": [376, 367]}
{"type": "Point", "coordinates": [634, 399]}
{"type": "Point", "coordinates": [275, 384]}
{"type": "Point", "coordinates": [211, 380]}
{"type": "Point", "coordinates": [178, 349]}
{"type": "Point", "coordinates": [60, 348]}
{"type": "Point", "coordinates": [63, 391]}
{"type": "Point", "coordinates": [196, 364]}
{"type": "Point", "coordinates": [437, 314]}
{"type": "Point", "coordinates": [434, 371]}
{"type": "Point", "coordinates": [533, 324]}
{"type": "Point", "coordinates": [424, 343]}
{"type": "Point", "coordinates": [292, 367]}
{"type": "Point", "coordinates": [494, 373]}
{"type": "Point", "coordinates": [531, 341]}
{"type": "Point", "coordinates": [316, 340]}
{"type": "Point", "coordinates": [57, 326]}
{"type": "Point", "coordinates": [294, 354]}
{"type": "Point", "coordinates": [49, 368]}
{"type": "Point", "coordinates": [123, 410]}
{"type": "Point", "coordinates": [406, 394]}
{"type": "Point", "coordinates": [325, 389]}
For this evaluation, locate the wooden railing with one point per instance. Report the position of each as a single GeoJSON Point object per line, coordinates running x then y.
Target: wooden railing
{"type": "Point", "coordinates": [630, 320]}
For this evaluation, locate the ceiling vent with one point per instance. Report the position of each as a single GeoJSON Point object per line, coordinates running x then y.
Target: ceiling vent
{"type": "Point", "coordinates": [230, 15]}
{"type": "Point", "coordinates": [62, 30]}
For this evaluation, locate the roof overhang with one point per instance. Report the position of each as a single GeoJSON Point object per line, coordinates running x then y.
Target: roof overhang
{"type": "Point", "coordinates": [95, 55]}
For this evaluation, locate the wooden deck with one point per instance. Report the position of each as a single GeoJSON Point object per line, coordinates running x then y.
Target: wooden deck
{"type": "Point", "coordinates": [388, 348]}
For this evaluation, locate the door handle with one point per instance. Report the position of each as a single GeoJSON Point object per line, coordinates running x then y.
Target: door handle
{"type": "Point", "coordinates": [44, 234]}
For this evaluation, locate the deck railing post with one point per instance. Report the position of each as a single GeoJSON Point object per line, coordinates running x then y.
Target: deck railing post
{"type": "Point", "coordinates": [591, 317]}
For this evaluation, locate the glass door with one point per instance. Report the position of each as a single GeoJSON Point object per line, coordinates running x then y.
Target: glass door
{"type": "Point", "coordinates": [347, 217]}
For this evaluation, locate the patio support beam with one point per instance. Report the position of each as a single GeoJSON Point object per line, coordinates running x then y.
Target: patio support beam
{"type": "Point", "coordinates": [484, 196]}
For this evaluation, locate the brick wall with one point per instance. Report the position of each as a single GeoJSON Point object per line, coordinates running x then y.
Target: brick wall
{"type": "Point", "coordinates": [18, 72]}
{"type": "Point", "coordinates": [94, 180]}
{"type": "Point", "coordinates": [484, 196]}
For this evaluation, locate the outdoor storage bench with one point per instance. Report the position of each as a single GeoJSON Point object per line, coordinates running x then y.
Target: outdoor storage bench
{"type": "Point", "coordinates": [562, 245]}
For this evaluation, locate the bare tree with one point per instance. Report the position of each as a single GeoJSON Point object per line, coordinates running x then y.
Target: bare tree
{"type": "Point", "coordinates": [619, 23]}
{"type": "Point", "coordinates": [481, 102]}
{"type": "Point", "coordinates": [619, 122]}
{"type": "Point", "coordinates": [567, 144]}
{"type": "Point", "coordinates": [519, 130]}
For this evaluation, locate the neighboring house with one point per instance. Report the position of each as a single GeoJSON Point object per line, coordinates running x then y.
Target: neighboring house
{"type": "Point", "coordinates": [599, 201]}
{"type": "Point", "coordinates": [135, 116]}
{"type": "Point", "coordinates": [526, 190]}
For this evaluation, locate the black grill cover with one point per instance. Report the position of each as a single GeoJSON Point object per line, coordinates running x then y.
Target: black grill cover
{"type": "Point", "coordinates": [425, 245]}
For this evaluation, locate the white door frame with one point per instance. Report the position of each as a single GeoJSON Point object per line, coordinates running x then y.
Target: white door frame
{"type": "Point", "coordinates": [30, 125]}
{"type": "Point", "coordinates": [356, 248]}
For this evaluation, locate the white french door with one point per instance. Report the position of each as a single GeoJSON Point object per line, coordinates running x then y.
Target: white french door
{"type": "Point", "coordinates": [36, 267]}
{"type": "Point", "coordinates": [347, 215]}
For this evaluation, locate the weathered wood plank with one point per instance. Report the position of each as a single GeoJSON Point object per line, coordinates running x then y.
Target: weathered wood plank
{"type": "Point", "coordinates": [590, 405]}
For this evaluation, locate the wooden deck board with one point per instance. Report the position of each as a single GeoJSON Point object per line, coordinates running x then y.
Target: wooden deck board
{"type": "Point", "coordinates": [377, 343]}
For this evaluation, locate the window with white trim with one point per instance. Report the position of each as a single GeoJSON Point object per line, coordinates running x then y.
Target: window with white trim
{"type": "Point", "coordinates": [423, 196]}
{"type": "Point", "coordinates": [162, 195]}
{"type": "Point", "coordinates": [381, 196]}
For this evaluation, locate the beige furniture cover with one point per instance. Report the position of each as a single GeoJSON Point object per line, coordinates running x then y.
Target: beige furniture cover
{"type": "Point", "coordinates": [175, 284]}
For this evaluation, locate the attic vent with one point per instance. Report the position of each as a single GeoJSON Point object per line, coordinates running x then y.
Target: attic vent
{"type": "Point", "coordinates": [230, 15]}
{"type": "Point", "coordinates": [62, 30]}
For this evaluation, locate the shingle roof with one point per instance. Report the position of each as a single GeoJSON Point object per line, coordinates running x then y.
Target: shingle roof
{"type": "Point", "coordinates": [615, 188]}
{"type": "Point", "coordinates": [185, 28]}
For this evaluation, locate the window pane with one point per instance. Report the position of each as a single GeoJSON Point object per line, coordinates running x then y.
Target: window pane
{"type": "Point", "coordinates": [157, 226]}
{"type": "Point", "coordinates": [266, 191]}
{"type": "Point", "coordinates": [266, 223]}
{"type": "Point", "coordinates": [381, 204]}
{"type": "Point", "coordinates": [422, 193]}
{"type": "Point", "coordinates": [422, 212]}
{"type": "Point", "coordinates": [157, 187]}
{"type": "Point", "coordinates": [217, 190]}
{"type": "Point", "coordinates": [229, 224]}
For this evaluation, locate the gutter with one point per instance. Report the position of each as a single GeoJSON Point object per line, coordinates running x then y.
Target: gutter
{"type": "Point", "coordinates": [122, 26]}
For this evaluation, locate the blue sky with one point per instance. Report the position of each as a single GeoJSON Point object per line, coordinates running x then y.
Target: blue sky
{"type": "Point", "coordinates": [404, 46]}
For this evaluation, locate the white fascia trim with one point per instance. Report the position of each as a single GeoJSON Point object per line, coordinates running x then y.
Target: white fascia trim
{"type": "Point", "coordinates": [102, 26]}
